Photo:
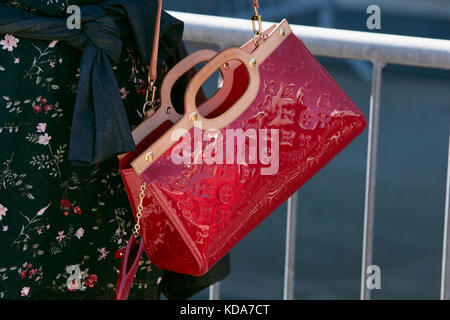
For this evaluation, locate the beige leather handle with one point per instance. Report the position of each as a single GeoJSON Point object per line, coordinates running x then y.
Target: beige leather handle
{"type": "Point", "coordinates": [179, 70]}
{"type": "Point", "coordinates": [208, 69]}
{"type": "Point", "coordinates": [184, 66]}
{"type": "Point", "coordinates": [166, 111]}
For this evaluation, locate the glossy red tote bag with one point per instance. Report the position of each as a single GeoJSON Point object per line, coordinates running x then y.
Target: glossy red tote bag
{"type": "Point", "coordinates": [193, 213]}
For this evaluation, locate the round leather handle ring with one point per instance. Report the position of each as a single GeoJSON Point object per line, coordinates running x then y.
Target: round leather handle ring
{"type": "Point", "coordinates": [184, 66]}
{"type": "Point", "coordinates": [204, 73]}
{"type": "Point", "coordinates": [181, 68]}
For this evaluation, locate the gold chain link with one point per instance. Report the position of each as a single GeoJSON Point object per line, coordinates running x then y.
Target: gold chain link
{"type": "Point", "coordinates": [140, 207]}
{"type": "Point", "coordinates": [149, 93]}
{"type": "Point", "coordinates": [257, 29]}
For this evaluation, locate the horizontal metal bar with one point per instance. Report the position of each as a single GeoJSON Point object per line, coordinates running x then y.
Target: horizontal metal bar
{"type": "Point", "coordinates": [413, 51]}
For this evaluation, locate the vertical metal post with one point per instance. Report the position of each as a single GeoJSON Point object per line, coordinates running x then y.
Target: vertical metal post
{"type": "Point", "coordinates": [326, 15]}
{"type": "Point", "coordinates": [289, 261]}
{"type": "Point", "coordinates": [369, 203]}
{"type": "Point", "coordinates": [445, 275]}
{"type": "Point", "coordinates": [214, 291]}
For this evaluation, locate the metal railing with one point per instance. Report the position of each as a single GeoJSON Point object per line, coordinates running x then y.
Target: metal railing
{"type": "Point", "coordinates": [379, 49]}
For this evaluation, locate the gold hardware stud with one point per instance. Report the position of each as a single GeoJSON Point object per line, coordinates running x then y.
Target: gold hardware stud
{"type": "Point", "coordinates": [193, 116]}
{"type": "Point", "coordinates": [226, 66]}
{"type": "Point", "coordinates": [282, 32]}
{"type": "Point", "coordinates": [168, 109]}
{"type": "Point", "coordinates": [149, 156]}
{"type": "Point", "coordinates": [252, 62]}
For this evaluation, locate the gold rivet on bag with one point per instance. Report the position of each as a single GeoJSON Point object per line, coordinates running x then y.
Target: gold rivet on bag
{"type": "Point", "coordinates": [252, 62]}
{"type": "Point", "coordinates": [226, 66]}
{"type": "Point", "coordinates": [149, 156]}
{"type": "Point", "coordinates": [282, 31]}
{"type": "Point", "coordinates": [193, 116]}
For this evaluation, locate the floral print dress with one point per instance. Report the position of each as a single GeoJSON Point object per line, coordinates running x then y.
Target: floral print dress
{"type": "Point", "coordinates": [60, 225]}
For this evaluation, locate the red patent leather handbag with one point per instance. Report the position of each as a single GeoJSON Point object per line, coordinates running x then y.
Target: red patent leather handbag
{"type": "Point", "coordinates": [284, 118]}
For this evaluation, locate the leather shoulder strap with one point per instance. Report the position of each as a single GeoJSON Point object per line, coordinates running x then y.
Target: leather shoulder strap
{"type": "Point", "coordinates": [152, 74]}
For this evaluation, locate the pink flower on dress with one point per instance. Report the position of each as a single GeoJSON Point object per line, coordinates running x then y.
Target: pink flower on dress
{"type": "Point", "coordinates": [60, 236]}
{"type": "Point", "coordinates": [25, 291]}
{"type": "Point", "coordinates": [44, 139]}
{"type": "Point", "coordinates": [77, 210]}
{"type": "Point", "coordinates": [47, 108]}
{"type": "Point", "coordinates": [91, 280]}
{"type": "Point", "coordinates": [66, 203]}
{"type": "Point", "coordinates": [103, 253]}
{"type": "Point", "coordinates": [37, 108]}
{"type": "Point", "coordinates": [41, 127]}
{"type": "Point", "coordinates": [32, 273]}
{"type": "Point", "coordinates": [52, 64]}
{"type": "Point", "coordinates": [5, 228]}
{"type": "Point", "coordinates": [17, 60]}
{"type": "Point", "coordinates": [73, 285]}
{"type": "Point", "coordinates": [2, 211]}
{"type": "Point", "coordinates": [53, 44]}
{"type": "Point", "coordinates": [142, 88]}
{"type": "Point", "coordinates": [9, 43]}
{"type": "Point", "coordinates": [39, 231]}
{"type": "Point", "coordinates": [79, 233]}
{"type": "Point", "coordinates": [124, 93]}
{"type": "Point", "coordinates": [60, 60]}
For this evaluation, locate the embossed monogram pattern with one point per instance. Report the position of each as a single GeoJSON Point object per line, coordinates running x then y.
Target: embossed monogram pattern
{"type": "Point", "coordinates": [215, 206]}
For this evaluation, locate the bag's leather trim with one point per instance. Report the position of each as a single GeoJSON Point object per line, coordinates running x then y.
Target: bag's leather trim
{"type": "Point", "coordinates": [264, 49]}
{"type": "Point", "coordinates": [152, 74]}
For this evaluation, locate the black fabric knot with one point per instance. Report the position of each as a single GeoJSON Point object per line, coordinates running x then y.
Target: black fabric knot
{"type": "Point", "coordinates": [102, 30]}
{"type": "Point", "coordinates": [100, 125]}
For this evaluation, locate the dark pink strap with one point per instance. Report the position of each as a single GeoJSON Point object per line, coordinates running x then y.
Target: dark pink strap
{"type": "Point", "coordinates": [130, 255]}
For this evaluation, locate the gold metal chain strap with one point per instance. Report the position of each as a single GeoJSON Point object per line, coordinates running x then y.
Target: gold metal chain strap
{"type": "Point", "coordinates": [140, 207]}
